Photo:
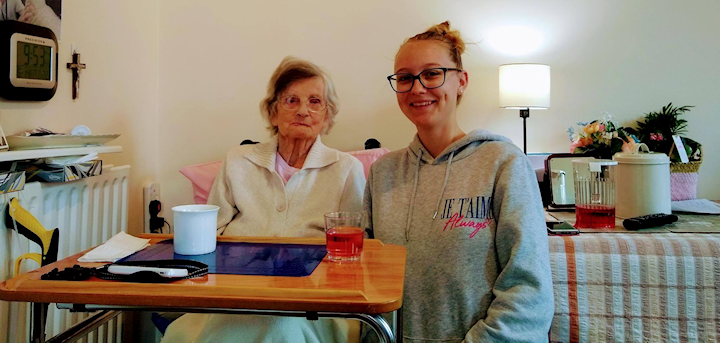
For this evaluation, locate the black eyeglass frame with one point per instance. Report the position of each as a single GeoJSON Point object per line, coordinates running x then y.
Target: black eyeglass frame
{"type": "Point", "coordinates": [417, 77]}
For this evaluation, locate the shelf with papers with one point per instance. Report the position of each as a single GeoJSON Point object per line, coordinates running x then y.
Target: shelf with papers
{"type": "Point", "coordinates": [18, 155]}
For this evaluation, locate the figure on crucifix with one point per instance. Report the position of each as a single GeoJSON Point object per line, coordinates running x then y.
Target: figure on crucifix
{"type": "Point", "coordinates": [76, 66]}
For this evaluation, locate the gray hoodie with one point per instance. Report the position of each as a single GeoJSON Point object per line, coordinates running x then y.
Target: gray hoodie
{"type": "Point", "coordinates": [477, 251]}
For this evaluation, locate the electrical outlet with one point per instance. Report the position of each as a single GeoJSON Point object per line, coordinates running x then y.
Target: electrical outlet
{"type": "Point", "coordinates": [151, 191]}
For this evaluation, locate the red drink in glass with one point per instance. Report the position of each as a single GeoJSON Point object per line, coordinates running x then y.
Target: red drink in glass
{"type": "Point", "coordinates": [595, 216]}
{"type": "Point", "coordinates": [344, 243]}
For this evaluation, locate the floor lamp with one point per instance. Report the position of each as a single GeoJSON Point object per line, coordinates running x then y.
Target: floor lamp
{"type": "Point", "coordinates": [525, 86]}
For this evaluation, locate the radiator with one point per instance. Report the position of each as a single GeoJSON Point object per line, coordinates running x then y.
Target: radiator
{"type": "Point", "coordinates": [87, 212]}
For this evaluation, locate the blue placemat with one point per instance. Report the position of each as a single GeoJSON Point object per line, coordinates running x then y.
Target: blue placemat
{"type": "Point", "coordinates": [245, 258]}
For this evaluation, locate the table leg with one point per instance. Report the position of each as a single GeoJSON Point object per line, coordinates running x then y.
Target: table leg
{"type": "Point", "coordinates": [378, 324]}
{"type": "Point", "coordinates": [38, 313]}
{"type": "Point", "coordinates": [397, 327]}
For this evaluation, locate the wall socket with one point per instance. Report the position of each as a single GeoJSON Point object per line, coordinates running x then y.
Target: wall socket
{"type": "Point", "coordinates": [151, 191]}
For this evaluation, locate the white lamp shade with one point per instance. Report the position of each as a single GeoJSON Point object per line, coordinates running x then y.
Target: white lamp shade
{"type": "Point", "coordinates": [525, 86]}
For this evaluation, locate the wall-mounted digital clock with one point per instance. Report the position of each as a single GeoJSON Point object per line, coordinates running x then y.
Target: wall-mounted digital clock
{"type": "Point", "coordinates": [28, 61]}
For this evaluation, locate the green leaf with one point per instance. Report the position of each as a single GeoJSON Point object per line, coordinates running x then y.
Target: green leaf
{"type": "Point", "coordinates": [616, 145]}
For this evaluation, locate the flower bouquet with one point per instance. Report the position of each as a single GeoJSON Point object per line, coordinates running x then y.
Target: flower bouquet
{"type": "Point", "coordinates": [600, 138]}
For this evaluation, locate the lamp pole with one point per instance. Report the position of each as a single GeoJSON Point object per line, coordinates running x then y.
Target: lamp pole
{"type": "Point", "coordinates": [524, 114]}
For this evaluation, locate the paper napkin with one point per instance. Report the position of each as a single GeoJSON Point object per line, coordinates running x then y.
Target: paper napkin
{"type": "Point", "coordinates": [117, 247]}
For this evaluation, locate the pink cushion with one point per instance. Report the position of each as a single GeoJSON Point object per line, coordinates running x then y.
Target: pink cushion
{"type": "Point", "coordinates": [368, 157]}
{"type": "Point", "coordinates": [202, 177]}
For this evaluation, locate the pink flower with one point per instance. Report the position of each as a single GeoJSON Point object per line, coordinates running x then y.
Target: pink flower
{"type": "Point", "coordinates": [573, 145]}
{"type": "Point", "coordinates": [601, 128]}
{"type": "Point", "coordinates": [579, 143]}
{"type": "Point", "coordinates": [657, 137]}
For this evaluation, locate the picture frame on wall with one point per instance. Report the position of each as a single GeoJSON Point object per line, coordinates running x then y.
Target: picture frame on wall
{"type": "Point", "coordinates": [45, 13]}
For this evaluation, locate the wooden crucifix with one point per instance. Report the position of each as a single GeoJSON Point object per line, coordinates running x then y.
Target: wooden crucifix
{"type": "Point", "coordinates": [76, 66]}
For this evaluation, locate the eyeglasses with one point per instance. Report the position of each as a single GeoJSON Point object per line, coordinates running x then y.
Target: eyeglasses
{"type": "Point", "coordinates": [429, 78]}
{"type": "Point", "coordinates": [292, 102]}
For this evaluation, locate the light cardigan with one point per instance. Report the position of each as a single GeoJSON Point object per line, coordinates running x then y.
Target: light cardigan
{"type": "Point", "coordinates": [254, 201]}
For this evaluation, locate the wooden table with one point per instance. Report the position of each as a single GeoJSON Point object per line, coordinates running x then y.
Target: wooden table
{"type": "Point", "coordinates": [362, 291]}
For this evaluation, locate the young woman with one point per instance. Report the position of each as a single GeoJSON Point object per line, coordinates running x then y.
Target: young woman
{"type": "Point", "coordinates": [465, 205]}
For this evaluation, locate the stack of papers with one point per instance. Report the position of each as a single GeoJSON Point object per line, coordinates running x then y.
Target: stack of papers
{"type": "Point", "coordinates": [703, 206]}
{"type": "Point", "coordinates": [117, 247]}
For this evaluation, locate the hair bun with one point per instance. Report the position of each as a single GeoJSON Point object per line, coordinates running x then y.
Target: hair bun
{"type": "Point", "coordinates": [443, 33]}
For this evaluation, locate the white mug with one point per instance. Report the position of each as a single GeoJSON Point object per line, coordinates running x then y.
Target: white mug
{"type": "Point", "coordinates": [195, 229]}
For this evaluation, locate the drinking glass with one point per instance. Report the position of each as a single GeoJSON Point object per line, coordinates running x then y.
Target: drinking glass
{"type": "Point", "coordinates": [594, 193]}
{"type": "Point", "coordinates": [344, 232]}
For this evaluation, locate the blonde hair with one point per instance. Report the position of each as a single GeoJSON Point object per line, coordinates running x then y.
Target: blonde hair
{"type": "Point", "coordinates": [289, 71]}
{"type": "Point", "coordinates": [442, 33]}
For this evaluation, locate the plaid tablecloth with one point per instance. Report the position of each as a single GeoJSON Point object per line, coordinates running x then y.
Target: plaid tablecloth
{"type": "Point", "coordinates": [636, 288]}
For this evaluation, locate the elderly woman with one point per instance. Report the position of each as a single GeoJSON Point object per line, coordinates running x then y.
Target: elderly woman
{"type": "Point", "coordinates": [282, 188]}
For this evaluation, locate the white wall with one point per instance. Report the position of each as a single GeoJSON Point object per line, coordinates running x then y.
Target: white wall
{"type": "Point", "coordinates": [623, 57]}
{"type": "Point", "coordinates": [200, 69]}
{"type": "Point", "coordinates": [118, 94]}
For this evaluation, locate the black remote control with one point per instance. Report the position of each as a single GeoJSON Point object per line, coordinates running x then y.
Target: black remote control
{"type": "Point", "coordinates": [648, 221]}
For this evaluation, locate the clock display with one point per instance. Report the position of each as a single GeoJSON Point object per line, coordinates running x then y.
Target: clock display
{"type": "Point", "coordinates": [34, 61]}
{"type": "Point", "coordinates": [28, 61]}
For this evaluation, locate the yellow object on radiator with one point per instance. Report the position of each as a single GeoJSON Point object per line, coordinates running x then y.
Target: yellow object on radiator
{"type": "Point", "coordinates": [30, 227]}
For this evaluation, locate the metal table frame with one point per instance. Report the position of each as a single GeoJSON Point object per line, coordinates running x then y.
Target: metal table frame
{"type": "Point", "coordinates": [387, 332]}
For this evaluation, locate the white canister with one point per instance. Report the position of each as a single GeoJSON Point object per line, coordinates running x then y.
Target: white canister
{"type": "Point", "coordinates": [642, 183]}
{"type": "Point", "coordinates": [195, 229]}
